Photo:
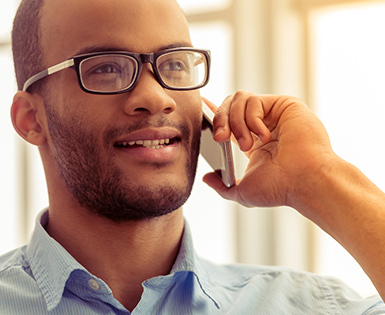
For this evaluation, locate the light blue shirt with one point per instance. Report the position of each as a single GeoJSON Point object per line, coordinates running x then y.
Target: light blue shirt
{"type": "Point", "coordinates": [43, 278]}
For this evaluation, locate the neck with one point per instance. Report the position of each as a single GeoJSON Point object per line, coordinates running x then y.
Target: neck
{"type": "Point", "coordinates": [122, 254]}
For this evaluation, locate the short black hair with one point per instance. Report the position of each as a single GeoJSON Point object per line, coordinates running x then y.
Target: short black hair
{"type": "Point", "coordinates": [26, 41]}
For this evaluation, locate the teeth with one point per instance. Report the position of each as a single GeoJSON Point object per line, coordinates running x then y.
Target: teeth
{"type": "Point", "coordinates": [152, 144]}
{"type": "Point", "coordinates": [147, 143]}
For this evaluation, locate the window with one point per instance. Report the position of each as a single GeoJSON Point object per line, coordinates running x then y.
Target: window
{"type": "Point", "coordinates": [349, 67]}
{"type": "Point", "coordinates": [203, 6]}
{"type": "Point", "coordinates": [9, 215]}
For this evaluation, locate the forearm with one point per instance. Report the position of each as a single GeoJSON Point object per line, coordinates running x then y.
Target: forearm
{"type": "Point", "coordinates": [348, 206]}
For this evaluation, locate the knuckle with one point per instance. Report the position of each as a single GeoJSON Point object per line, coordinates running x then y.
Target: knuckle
{"type": "Point", "coordinates": [292, 100]}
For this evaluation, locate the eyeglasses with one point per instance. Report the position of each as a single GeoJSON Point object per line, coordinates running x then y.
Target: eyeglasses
{"type": "Point", "coordinates": [115, 72]}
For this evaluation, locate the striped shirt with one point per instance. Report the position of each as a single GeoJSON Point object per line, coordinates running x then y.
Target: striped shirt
{"type": "Point", "coordinates": [43, 278]}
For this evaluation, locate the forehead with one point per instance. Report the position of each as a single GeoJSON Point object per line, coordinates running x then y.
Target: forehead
{"type": "Point", "coordinates": [133, 25]}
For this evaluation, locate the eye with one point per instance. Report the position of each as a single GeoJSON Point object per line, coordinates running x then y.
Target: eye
{"type": "Point", "coordinates": [105, 69]}
{"type": "Point", "coordinates": [173, 65]}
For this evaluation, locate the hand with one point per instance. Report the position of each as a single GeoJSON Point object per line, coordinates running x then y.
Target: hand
{"type": "Point", "coordinates": [283, 140]}
{"type": "Point", "coordinates": [292, 163]}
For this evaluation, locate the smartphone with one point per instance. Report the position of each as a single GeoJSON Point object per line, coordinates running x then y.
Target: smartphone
{"type": "Point", "coordinates": [218, 155]}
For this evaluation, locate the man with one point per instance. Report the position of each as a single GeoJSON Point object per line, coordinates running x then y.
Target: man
{"type": "Point", "coordinates": [118, 131]}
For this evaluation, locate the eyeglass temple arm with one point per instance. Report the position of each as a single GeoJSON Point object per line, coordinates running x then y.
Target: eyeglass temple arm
{"type": "Point", "coordinates": [61, 66]}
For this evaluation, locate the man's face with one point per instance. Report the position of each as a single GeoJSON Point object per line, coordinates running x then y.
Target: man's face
{"type": "Point", "coordinates": [89, 133]}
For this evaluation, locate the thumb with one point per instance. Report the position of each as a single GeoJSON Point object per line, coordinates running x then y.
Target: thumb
{"type": "Point", "coordinates": [215, 182]}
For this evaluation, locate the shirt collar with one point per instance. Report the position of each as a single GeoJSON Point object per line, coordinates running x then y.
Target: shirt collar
{"type": "Point", "coordinates": [188, 260]}
{"type": "Point", "coordinates": [52, 265]}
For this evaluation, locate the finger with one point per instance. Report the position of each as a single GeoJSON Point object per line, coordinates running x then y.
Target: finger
{"type": "Point", "coordinates": [221, 129]}
{"type": "Point", "coordinates": [254, 115]}
{"type": "Point", "coordinates": [215, 182]}
{"type": "Point", "coordinates": [221, 126]}
{"type": "Point", "coordinates": [238, 120]}
{"type": "Point", "coordinates": [210, 104]}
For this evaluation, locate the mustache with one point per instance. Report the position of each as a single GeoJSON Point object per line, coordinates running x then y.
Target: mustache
{"type": "Point", "coordinates": [115, 132]}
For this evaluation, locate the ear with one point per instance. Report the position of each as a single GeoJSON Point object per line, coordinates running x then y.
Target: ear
{"type": "Point", "coordinates": [27, 112]}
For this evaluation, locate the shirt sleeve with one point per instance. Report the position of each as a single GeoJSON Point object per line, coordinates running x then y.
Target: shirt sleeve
{"type": "Point", "coordinates": [377, 309]}
{"type": "Point", "coordinates": [347, 301]}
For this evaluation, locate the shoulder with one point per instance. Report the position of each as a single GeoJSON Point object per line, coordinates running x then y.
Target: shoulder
{"type": "Point", "coordinates": [19, 291]}
{"type": "Point", "coordinates": [262, 277]}
{"type": "Point", "coordinates": [15, 273]}
{"type": "Point", "coordinates": [281, 290]}
{"type": "Point", "coordinates": [15, 259]}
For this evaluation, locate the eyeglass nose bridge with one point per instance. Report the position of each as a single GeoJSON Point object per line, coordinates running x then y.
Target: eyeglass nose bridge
{"type": "Point", "coordinates": [148, 58]}
{"type": "Point", "coordinates": [145, 58]}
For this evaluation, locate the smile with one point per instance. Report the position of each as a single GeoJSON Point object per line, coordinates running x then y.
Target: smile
{"type": "Point", "coordinates": [150, 144]}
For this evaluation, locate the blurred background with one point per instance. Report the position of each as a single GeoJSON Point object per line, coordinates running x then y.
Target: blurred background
{"type": "Point", "coordinates": [328, 52]}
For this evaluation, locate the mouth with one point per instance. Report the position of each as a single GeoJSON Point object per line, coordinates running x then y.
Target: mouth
{"type": "Point", "coordinates": [149, 144]}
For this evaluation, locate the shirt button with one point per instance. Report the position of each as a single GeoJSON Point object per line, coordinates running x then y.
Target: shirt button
{"type": "Point", "coordinates": [94, 285]}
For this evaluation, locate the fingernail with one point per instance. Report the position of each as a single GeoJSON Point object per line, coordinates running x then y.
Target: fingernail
{"type": "Point", "coordinates": [241, 141]}
{"type": "Point", "coordinates": [257, 136]}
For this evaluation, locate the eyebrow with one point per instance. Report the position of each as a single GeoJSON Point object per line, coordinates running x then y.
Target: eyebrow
{"type": "Point", "coordinates": [91, 49]}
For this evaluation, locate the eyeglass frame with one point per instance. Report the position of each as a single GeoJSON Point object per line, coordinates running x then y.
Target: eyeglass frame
{"type": "Point", "coordinates": [75, 61]}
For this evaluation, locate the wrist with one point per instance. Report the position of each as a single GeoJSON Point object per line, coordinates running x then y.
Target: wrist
{"type": "Point", "coordinates": [323, 192]}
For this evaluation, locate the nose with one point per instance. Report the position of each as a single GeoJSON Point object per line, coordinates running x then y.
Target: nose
{"type": "Point", "coordinates": [148, 96]}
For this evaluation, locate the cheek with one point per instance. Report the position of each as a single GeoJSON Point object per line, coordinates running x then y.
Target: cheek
{"type": "Point", "coordinates": [189, 104]}
{"type": "Point", "coordinates": [69, 122]}
{"type": "Point", "coordinates": [193, 110]}
{"type": "Point", "coordinates": [196, 112]}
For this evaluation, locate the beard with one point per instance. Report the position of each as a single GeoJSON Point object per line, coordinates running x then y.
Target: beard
{"type": "Point", "coordinates": [100, 186]}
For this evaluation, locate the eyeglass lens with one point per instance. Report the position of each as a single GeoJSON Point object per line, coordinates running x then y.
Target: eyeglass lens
{"type": "Point", "coordinates": [115, 72]}
{"type": "Point", "coordinates": [182, 69]}
{"type": "Point", "coordinates": [108, 73]}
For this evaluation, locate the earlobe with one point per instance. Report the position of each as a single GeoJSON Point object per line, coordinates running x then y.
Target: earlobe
{"type": "Point", "coordinates": [25, 112]}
